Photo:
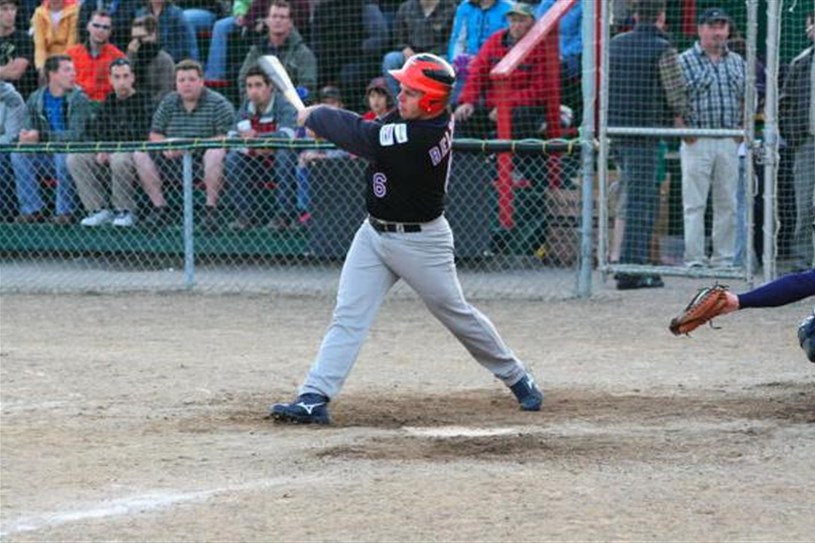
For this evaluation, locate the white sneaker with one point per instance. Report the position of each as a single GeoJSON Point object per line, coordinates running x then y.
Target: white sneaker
{"type": "Point", "coordinates": [97, 218]}
{"type": "Point", "coordinates": [124, 218]}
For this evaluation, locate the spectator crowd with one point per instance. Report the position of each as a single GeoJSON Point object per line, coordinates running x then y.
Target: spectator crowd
{"type": "Point", "coordinates": [157, 70]}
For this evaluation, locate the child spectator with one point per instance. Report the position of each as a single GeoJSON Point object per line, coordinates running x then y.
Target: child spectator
{"type": "Point", "coordinates": [379, 99]}
{"type": "Point", "coordinates": [55, 29]}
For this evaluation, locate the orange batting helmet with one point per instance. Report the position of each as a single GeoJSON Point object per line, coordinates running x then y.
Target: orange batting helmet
{"type": "Point", "coordinates": [431, 75]}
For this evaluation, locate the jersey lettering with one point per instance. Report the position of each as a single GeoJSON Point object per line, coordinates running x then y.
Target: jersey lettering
{"type": "Point", "coordinates": [379, 182]}
{"type": "Point", "coordinates": [393, 133]}
{"type": "Point", "coordinates": [441, 149]}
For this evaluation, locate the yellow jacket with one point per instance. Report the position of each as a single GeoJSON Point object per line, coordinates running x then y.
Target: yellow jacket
{"type": "Point", "coordinates": [50, 40]}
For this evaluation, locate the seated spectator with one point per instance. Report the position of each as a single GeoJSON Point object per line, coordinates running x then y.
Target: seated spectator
{"type": "Point", "coordinates": [286, 43]}
{"type": "Point", "coordinates": [55, 29]}
{"type": "Point", "coordinates": [379, 99]}
{"type": "Point", "coordinates": [421, 26]}
{"type": "Point", "coordinates": [201, 14]}
{"type": "Point", "coordinates": [12, 115]}
{"type": "Point", "coordinates": [249, 17]}
{"type": "Point", "coordinates": [329, 96]}
{"type": "Point", "coordinates": [264, 113]}
{"type": "Point", "coordinates": [121, 13]}
{"type": "Point", "coordinates": [191, 111]}
{"type": "Point", "coordinates": [16, 51]}
{"type": "Point", "coordinates": [174, 33]}
{"type": "Point", "coordinates": [58, 112]}
{"type": "Point", "coordinates": [477, 111]}
{"type": "Point", "coordinates": [93, 57]}
{"type": "Point", "coordinates": [349, 38]}
{"type": "Point", "coordinates": [474, 23]}
{"type": "Point", "coordinates": [123, 116]}
{"type": "Point", "coordinates": [153, 67]}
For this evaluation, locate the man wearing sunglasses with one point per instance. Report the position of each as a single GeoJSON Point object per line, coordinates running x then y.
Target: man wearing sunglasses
{"type": "Point", "coordinates": [93, 57]}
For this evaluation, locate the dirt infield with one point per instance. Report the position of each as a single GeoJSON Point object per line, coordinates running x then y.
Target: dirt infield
{"type": "Point", "coordinates": [142, 418]}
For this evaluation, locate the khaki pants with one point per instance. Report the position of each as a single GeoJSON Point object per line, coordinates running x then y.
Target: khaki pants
{"type": "Point", "coordinates": [92, 180]}
{"type": "Point", "coordinates": [710, 164]}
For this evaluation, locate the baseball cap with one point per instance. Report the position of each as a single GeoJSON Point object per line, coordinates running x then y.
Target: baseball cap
{"type": "Point", "coordinates": [521, 8]}
{"type": "Point", "coordinates": [377, 83]}
{"type": "Point", "coordinates": [330, 92]}
{"type": "Point", "coordinates": [711, 15]}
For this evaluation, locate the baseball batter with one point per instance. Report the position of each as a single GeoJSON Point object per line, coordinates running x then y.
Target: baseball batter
{"type": "Point", "coordinates": [405, 236]}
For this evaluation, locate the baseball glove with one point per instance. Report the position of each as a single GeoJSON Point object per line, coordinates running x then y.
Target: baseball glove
{"type": "Point", "coordinates": [709, 302]}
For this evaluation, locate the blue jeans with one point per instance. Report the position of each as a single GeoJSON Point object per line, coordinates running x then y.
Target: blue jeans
{"type": "Point", "coordinates": [8, 199]}
{"type": "Point", "coordinates": [216, 61]}
{"type": "Point", "coordinates": [639, 160]}
{"type": "Point", "coordinates": [244, 173]}
{"type": "Point", "coordinates": [198, 19]}
{"type": "Point", "coordinates": [29, 168]}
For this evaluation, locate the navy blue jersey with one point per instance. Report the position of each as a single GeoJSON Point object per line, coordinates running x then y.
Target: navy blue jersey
{"type": "Point", "coordinates": [409, 161]}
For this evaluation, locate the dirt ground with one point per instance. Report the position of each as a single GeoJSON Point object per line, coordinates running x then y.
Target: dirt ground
{"type": "Point", "coordinates": [142, 418]}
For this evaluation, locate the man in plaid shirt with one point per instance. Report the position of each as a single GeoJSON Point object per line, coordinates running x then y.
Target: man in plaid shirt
{"type": "Point", "coordinates": [716, 82]}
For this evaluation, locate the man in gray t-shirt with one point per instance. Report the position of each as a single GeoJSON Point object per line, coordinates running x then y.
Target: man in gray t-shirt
{"type": "Point", "coordinates": [192, 111]}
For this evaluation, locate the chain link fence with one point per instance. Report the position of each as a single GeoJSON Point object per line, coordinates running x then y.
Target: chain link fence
{"type": "Point", "coordinates": [250, 246]}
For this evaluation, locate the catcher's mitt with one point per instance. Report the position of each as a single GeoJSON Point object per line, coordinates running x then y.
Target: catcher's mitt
{"type": "Point", "coordinates": [709, 302]}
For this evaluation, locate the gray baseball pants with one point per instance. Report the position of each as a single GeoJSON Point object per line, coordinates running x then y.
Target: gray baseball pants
{"type": "Point", "coordinates": [375, 262]}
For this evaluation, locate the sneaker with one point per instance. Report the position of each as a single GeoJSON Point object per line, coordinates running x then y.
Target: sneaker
{"type": "Point", "coordinates": [97, 218]}
{"type": "Point", "coordinates": [528, 394]}
{"type": "Point", "coordinates": [210, 223]}
{"type": "Point", "coordinates": [64, 219]}
{"type": "Point", "coordinates": [627, 281]}
{"type": "Point", "coordinates": [124, 218]}
{"type": "Point", "coordinates": [806, 337]}
{"type": "Point", "coordinates": [158, 218]}
{"type": "Point", "coordinates": [31, 218]}
{"type": "Point", "coordinates": [307, 409]}
{"type": "Point", "coordinates": [240, 224]}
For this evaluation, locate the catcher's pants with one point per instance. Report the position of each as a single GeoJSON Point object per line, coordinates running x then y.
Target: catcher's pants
{"type": "Point", "coordinates": [710, 164]}
{"type": "Point", "coordinates": [804, 182]}
{"type": "Point", "coordinates": [92, 180]}
{"type": "Point", "coordinates": [375, 262]}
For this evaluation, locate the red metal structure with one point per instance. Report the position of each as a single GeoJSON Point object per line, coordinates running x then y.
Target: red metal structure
{"type": "Point", "coordinates": [545, 31]}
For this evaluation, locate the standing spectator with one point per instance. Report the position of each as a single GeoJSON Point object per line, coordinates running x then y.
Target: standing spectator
{"type": "Point", "coordinates": [421, 26]}
{"type": "Point", "coordinates": [16, 51]}
{"type": "Point", "coordinates": [92, 58]}
{"type": "Point", "coordinates": [349, 38]}
{"type": "Point", "coordinates": [474, 23]}
{"type": "Point", "coordinates": [715, 77]}
{"type": "Point", "coordinates": [192, 111]}
{"type": "Point", "coordinates": [264, 113]}
{"type": "Point", "coordinates": [646, 90]}
{"type": "Point", "coordinates": [55, 29]}
{"type": "Point", "coordinates": [174, 32]}
{"type": "Point", "coordinates": [379, 99]}
{"type": "Point", "coordinates": [153, 67]}
{"type": "Point", "coordinates": [477, 110]}
{"type": "Point", "coordinates": [12, 115]}
{"type": "Point", "coordinates": [58, 112]}
{"type": "Point", "coordinates": [123, 116]}
{"type": "Point", "coordinates": [797, 124]}
{"type": "Point", "coordinates": [248, 17]}
{"type": "Point", "coordinates": [286, 43]}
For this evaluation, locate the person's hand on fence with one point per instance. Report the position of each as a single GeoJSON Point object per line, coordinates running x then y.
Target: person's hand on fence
{"type": "Point", "coordinates": [102, 158]}
{"type": "Point", "coordinates": [29, 136]}
{"type": "Point", "coordinates": [464, 112]}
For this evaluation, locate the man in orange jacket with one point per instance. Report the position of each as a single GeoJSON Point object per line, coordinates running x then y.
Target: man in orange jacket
{"type": "Point", "coordinates": [92, 58]}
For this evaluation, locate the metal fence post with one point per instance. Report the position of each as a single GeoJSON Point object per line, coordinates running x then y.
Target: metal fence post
{"type": "Point", "coordinates": [189, 250]}
{"type": "Point", "coordinates": [587, 152]}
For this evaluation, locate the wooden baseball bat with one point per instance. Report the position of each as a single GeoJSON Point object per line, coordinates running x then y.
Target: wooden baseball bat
{"type": "Point", "coordinates": [277, 73]}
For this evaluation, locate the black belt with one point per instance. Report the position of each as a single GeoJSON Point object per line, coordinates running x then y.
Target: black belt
{"type": "Point", "coordinates": [400, 227]}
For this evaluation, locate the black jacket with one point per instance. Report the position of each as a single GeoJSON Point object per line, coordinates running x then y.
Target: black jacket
{"type": "Point", "coordinates": [123, 120]}
{"type": "Point", "coordinates": [793, 104]}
